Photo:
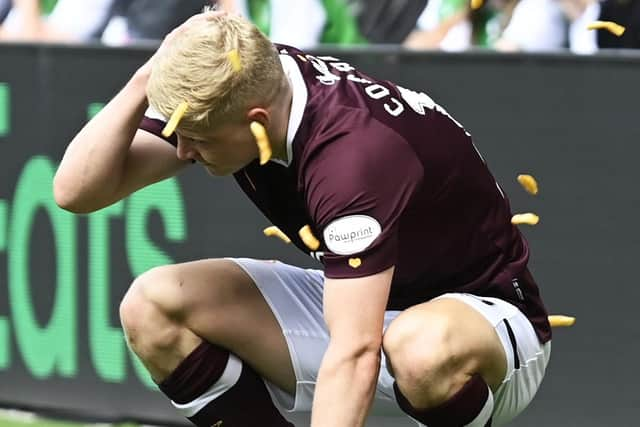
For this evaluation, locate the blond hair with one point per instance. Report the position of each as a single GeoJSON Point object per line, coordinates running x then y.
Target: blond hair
{"type": "Point", "coordinates": [200, 68]}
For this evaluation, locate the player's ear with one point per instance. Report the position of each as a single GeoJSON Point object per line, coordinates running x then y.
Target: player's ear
{"type": "Point", "coordinates": [259, 115]}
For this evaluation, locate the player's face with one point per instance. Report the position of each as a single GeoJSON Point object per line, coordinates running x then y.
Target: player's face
{"type": "Point", "coordinates": [222, 151]}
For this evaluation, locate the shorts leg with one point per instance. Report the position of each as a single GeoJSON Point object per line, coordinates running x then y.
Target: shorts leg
{"type": "Point", "coordinates": [295, 297]}
{"type": "Point", "coordinates": [527, 358]}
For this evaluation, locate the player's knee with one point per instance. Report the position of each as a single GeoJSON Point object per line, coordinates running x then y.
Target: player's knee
{"type": "Point", "coordinates": [150, 310]}
{"type": "Point", "coordinates": [423, 357]}
{"type": "Point", "coordinates": [160, 287]}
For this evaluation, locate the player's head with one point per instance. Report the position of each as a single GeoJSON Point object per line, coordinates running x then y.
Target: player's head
{"type": "Point", "coordinates": [220, 66]}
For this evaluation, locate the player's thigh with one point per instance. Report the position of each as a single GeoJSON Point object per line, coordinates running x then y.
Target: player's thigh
{"type": "Point", "coordinates": [439, 344]}
{"type": "Point", "coordinates": [218, 301]}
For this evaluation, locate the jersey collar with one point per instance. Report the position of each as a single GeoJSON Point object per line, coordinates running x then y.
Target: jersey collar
{"type": "Point", "coordinates": [298, 103]}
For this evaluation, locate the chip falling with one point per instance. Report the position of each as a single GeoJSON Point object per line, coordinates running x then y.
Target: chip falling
{"type": "Point", "coordinates": [274, 231]}
{"type": "Point", "coordinates": [525, 218]}
{"type": "Point", "coordinates": [556, 320]}
{"type": "Point", "coordinates": [476, 4]}
{"type": "Point", "coordinates": [308, 238]}
{"type": "Point", "coordinates": [529, 183]}
{"type": "Point", "coordinates": [612, 27]}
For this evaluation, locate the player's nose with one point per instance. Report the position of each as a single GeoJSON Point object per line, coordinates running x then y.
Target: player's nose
{"type": "Point", "coordinates": [185, 149]}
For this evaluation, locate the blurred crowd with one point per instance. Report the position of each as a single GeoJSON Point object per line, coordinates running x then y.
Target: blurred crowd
{"type": "Point", "coordinates": [450, 25]}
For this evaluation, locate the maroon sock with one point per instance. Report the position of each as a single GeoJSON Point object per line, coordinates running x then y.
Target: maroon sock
{"type": "Point", "coordinates": [470, 406]}
{"type": "Point", "coordinates": [212, 387]}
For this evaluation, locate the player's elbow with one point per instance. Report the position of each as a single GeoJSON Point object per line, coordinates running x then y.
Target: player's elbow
{"type": "Point", "coordinates": [364, 358]}
{"type": "Point", "coordinates": [361, 348]}
{"type": "Point", "coordinates": [67, 197]}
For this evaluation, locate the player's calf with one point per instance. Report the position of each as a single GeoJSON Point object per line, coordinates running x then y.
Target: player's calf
{"type": "Point", "coordinates": [212, 387]}
{"type": "Point", "coordinates": [206, 383]}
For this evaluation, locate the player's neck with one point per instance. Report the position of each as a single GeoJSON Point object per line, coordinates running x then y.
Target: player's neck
{"type": "Point", "coordinates": [281, 110]}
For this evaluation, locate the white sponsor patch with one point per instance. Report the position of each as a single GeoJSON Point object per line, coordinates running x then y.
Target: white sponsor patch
{"type": "Point", "coordinates": [351, 234]}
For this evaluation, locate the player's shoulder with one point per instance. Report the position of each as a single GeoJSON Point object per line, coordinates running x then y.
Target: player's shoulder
{"type": "Point", "coordinates": [356, 132]}
{"type": "Point", "coordinates": [357, 146]}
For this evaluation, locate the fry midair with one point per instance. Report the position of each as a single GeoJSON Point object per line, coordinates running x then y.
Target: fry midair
{"type": "Point", "coordinates": [308, 238]}
{"type": "Point", "coordinates": [525, 218]}
{"type": "Point", "coordinates": [556, 320]}
{"type": "Point", "coordinates": [529, 183]}
{"type": "Point", "coordinates": [276, 232]}
{"type": "Point", "coordinates": [612, 27]}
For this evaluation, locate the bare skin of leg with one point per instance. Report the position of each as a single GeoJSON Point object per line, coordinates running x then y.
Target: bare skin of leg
{"type": "Point", "coordinates": [169, 310]}
{"type": "Point", "coordinates": [434, 348]}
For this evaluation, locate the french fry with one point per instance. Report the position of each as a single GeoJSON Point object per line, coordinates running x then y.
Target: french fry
{"type": "Point", "coordinates": [175, 118]}
{"type": "Point", "coordinates": [276, 232]}
{"type": "Point", "coordinates": [556, 320]}
{"type": "Point", "coordinates": [234, 58]}
{"type": "Point", "coordinates": [529, 183]}
{"type": "Point", "coordinates": [525, 218]}
{"type": "Point", "coordinates": [612, 27]}
{"type": "Point", "coordinates": [308, 238]}
{"type": "Point", "coordinates": [262, 140]}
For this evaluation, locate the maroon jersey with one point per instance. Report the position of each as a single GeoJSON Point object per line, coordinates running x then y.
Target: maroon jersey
{"type": "Point", "coordinates": [386, 177]}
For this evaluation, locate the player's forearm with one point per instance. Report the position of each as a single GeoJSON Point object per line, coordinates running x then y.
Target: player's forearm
{"type": "Point", "coordinates": [345, 388]}
{"type": "Point", "coordinates": [94, 162]}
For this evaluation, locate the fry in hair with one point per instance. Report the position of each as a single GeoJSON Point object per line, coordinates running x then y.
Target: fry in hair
{"type": "Point", "coordinates": [234, 58]}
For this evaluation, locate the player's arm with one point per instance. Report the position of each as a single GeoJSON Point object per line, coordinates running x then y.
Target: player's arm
{"type": "Point", "coordinates": [110, 158]}
{"type": "Point", "coordinates": [363, 191]}
{"type": "Point", "coordinates": [354, 312]}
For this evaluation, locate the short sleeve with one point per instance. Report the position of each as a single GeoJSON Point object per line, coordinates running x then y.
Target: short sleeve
{"type": "Point", "coordinates": [153, 123]}
{"type": "Point", "coordinates": [357, 190]}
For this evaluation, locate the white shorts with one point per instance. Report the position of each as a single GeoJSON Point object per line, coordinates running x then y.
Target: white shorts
{"type": "Point", "coordinates": [295, 297]}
